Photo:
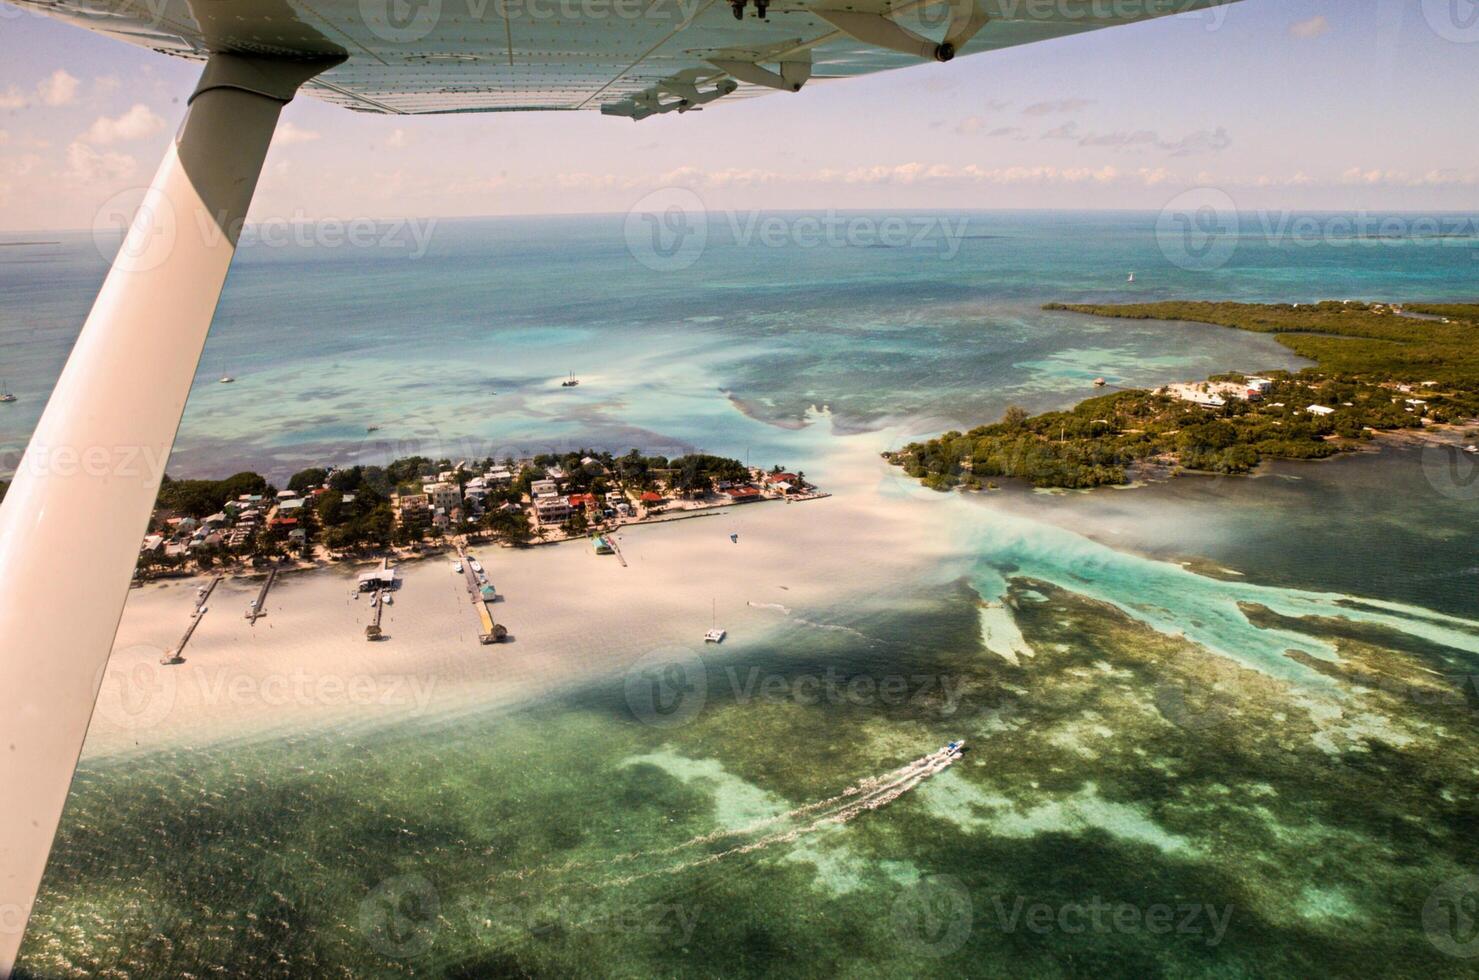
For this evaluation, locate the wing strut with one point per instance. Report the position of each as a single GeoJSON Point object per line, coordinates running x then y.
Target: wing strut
{"type": "Point", "coordinates": [72, 521]}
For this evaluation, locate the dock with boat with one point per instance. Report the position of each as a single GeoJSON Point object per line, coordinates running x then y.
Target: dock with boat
{"type": "Point", "coordinates": [259, 604]}
{"type": "Point", "coordinates": [482, 595]}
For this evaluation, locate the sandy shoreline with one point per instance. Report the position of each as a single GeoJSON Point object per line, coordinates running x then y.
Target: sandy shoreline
{"type": "Point", "coordinates": [571, 615]}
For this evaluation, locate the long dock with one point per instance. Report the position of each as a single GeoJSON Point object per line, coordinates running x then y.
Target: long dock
{"type": "Point", "coordinates": [258, 608]}
{"type": "Point", "coordinates": [205, 593]}
{"type": "Point", "coordinates": [176, 656]}
{"type": "Point", "coordinates": [615, 548]}
{"type": "Point", "coordinates": [372, 631]}
{"type": "Point", "coordinates": [492, 632]}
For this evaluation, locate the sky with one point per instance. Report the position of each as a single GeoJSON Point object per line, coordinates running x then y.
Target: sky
{"type": "Point", "coordinates": [1289, 104]}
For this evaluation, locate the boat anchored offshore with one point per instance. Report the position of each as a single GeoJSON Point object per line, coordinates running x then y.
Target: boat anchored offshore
{"type": "Point", "coordinates": [570, 382]}
{"type": "Point", "coordinates": [226, 379]}
{"type": "Point", "coordinates": [5, 394]}
{"type": "Point", "coordinates": [1130, 277]}
{"type": "Point", "coordinates": [715, 635]}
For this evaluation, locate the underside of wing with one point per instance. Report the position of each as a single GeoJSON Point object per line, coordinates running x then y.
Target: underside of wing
{"type": "Point", "coordinates": [629, 58]}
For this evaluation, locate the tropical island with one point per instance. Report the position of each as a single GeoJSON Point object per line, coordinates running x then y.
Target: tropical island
{"type": "Point", "coordinates": [1378, 368]}
{"type": "Point", "coordinates": [416, 504]}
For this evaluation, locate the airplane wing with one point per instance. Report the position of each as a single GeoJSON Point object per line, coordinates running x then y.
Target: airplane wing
{"type": "Point", "coordinates": [628, 58]}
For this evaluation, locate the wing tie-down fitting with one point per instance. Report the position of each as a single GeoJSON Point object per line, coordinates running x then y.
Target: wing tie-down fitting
{"type": "Point", "coordinates": [880, 30]}
{"type": "Point", "coordinates": [794, 69]}
{"type": "Point", "coordinates": [684, 89]}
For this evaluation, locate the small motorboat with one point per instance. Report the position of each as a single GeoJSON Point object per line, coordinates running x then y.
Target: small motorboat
{"type": "Point", "coordinates": [473, 562]}
{"type": "Point", "coordinates": [1100, 382]}
{"type": "Point", "coordinates": [389, 601]}
{"type": "Point", "coordinates": [457, 567]}
{"type": "Point", "coordinates": [372, 428]}
{"type": "Point", "coordinates": [226, 379]}
{"type": "Point", "coordinates": [715, 635]}
{"type": "Point", "coordinates": [734, 538]}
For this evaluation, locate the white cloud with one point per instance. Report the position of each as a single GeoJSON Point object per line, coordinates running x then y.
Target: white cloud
{"type": "Point", "coordinates": [288, 134]}
{"type": "Point", "coordinates": [88, 165]}
{"type": "Point", "coordinates": [12, 98]}
{"type": "Point", "coordinates": [59, 88]}
{"type": "Point", "coordinates": [1314, 27]}
{"type": "Point", "coordinates": [137, 123]}
{"type": "Point", "coordinates": [397, 139]}
{"type": "Point", "coordinates": [1055, 106]}
{"type": "Point", "coordinates": [1201, 141]}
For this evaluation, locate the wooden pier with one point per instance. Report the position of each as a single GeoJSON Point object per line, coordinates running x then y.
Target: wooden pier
{"type": "Point", "coordinates": [177, 655]}
{"type": "Point", "coordinates": [372, 631]}
{"type": "Point", "coordinates": [258, 608]}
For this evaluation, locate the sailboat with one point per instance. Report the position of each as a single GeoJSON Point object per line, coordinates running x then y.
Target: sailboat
{"type": "Point", "coordinates": [5, 395]}
{"type": "Point", "coordinates": [1130, 277]}
{"type": "Point", "coordinates": [715, 634]}
{"type": "Point", "coordinates": [570, 382]}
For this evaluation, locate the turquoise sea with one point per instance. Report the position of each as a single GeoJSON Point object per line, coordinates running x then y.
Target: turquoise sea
{"type": "Point", "coordinates": [1220, 727]}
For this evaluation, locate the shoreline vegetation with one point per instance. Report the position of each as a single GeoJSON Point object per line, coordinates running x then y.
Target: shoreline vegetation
{"type": "Point", "coordinates": [417, 506]}
{"type": "Point", "coordinates": [1379, 369]}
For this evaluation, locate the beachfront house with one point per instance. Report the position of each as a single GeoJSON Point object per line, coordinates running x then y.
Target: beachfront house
{"type": "Point", "coordinates": [551, 509]}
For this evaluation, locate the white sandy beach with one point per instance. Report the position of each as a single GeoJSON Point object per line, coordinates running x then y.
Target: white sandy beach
{"type": "Point", "coordinates": [571, 615]}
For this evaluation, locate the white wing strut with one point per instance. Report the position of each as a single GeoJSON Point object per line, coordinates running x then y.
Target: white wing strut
{"type": "Point", "coordinates": [72, 521]}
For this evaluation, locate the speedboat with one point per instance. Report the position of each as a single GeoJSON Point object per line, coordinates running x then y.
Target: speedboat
{"type": "Point", "coordinates": [226, 379]}
{"type": "Point", "coordinates": [954, 750]}
{"type": "Point", "coordinates": [457, 567]}
{"type": "Point", "coordinates": [715, 635]}
{"type": "Point", "coordinates": [475, 566]}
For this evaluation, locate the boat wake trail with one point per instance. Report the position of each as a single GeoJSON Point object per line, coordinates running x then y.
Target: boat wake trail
{"type": "Point", "coordinates": [861, 797]}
